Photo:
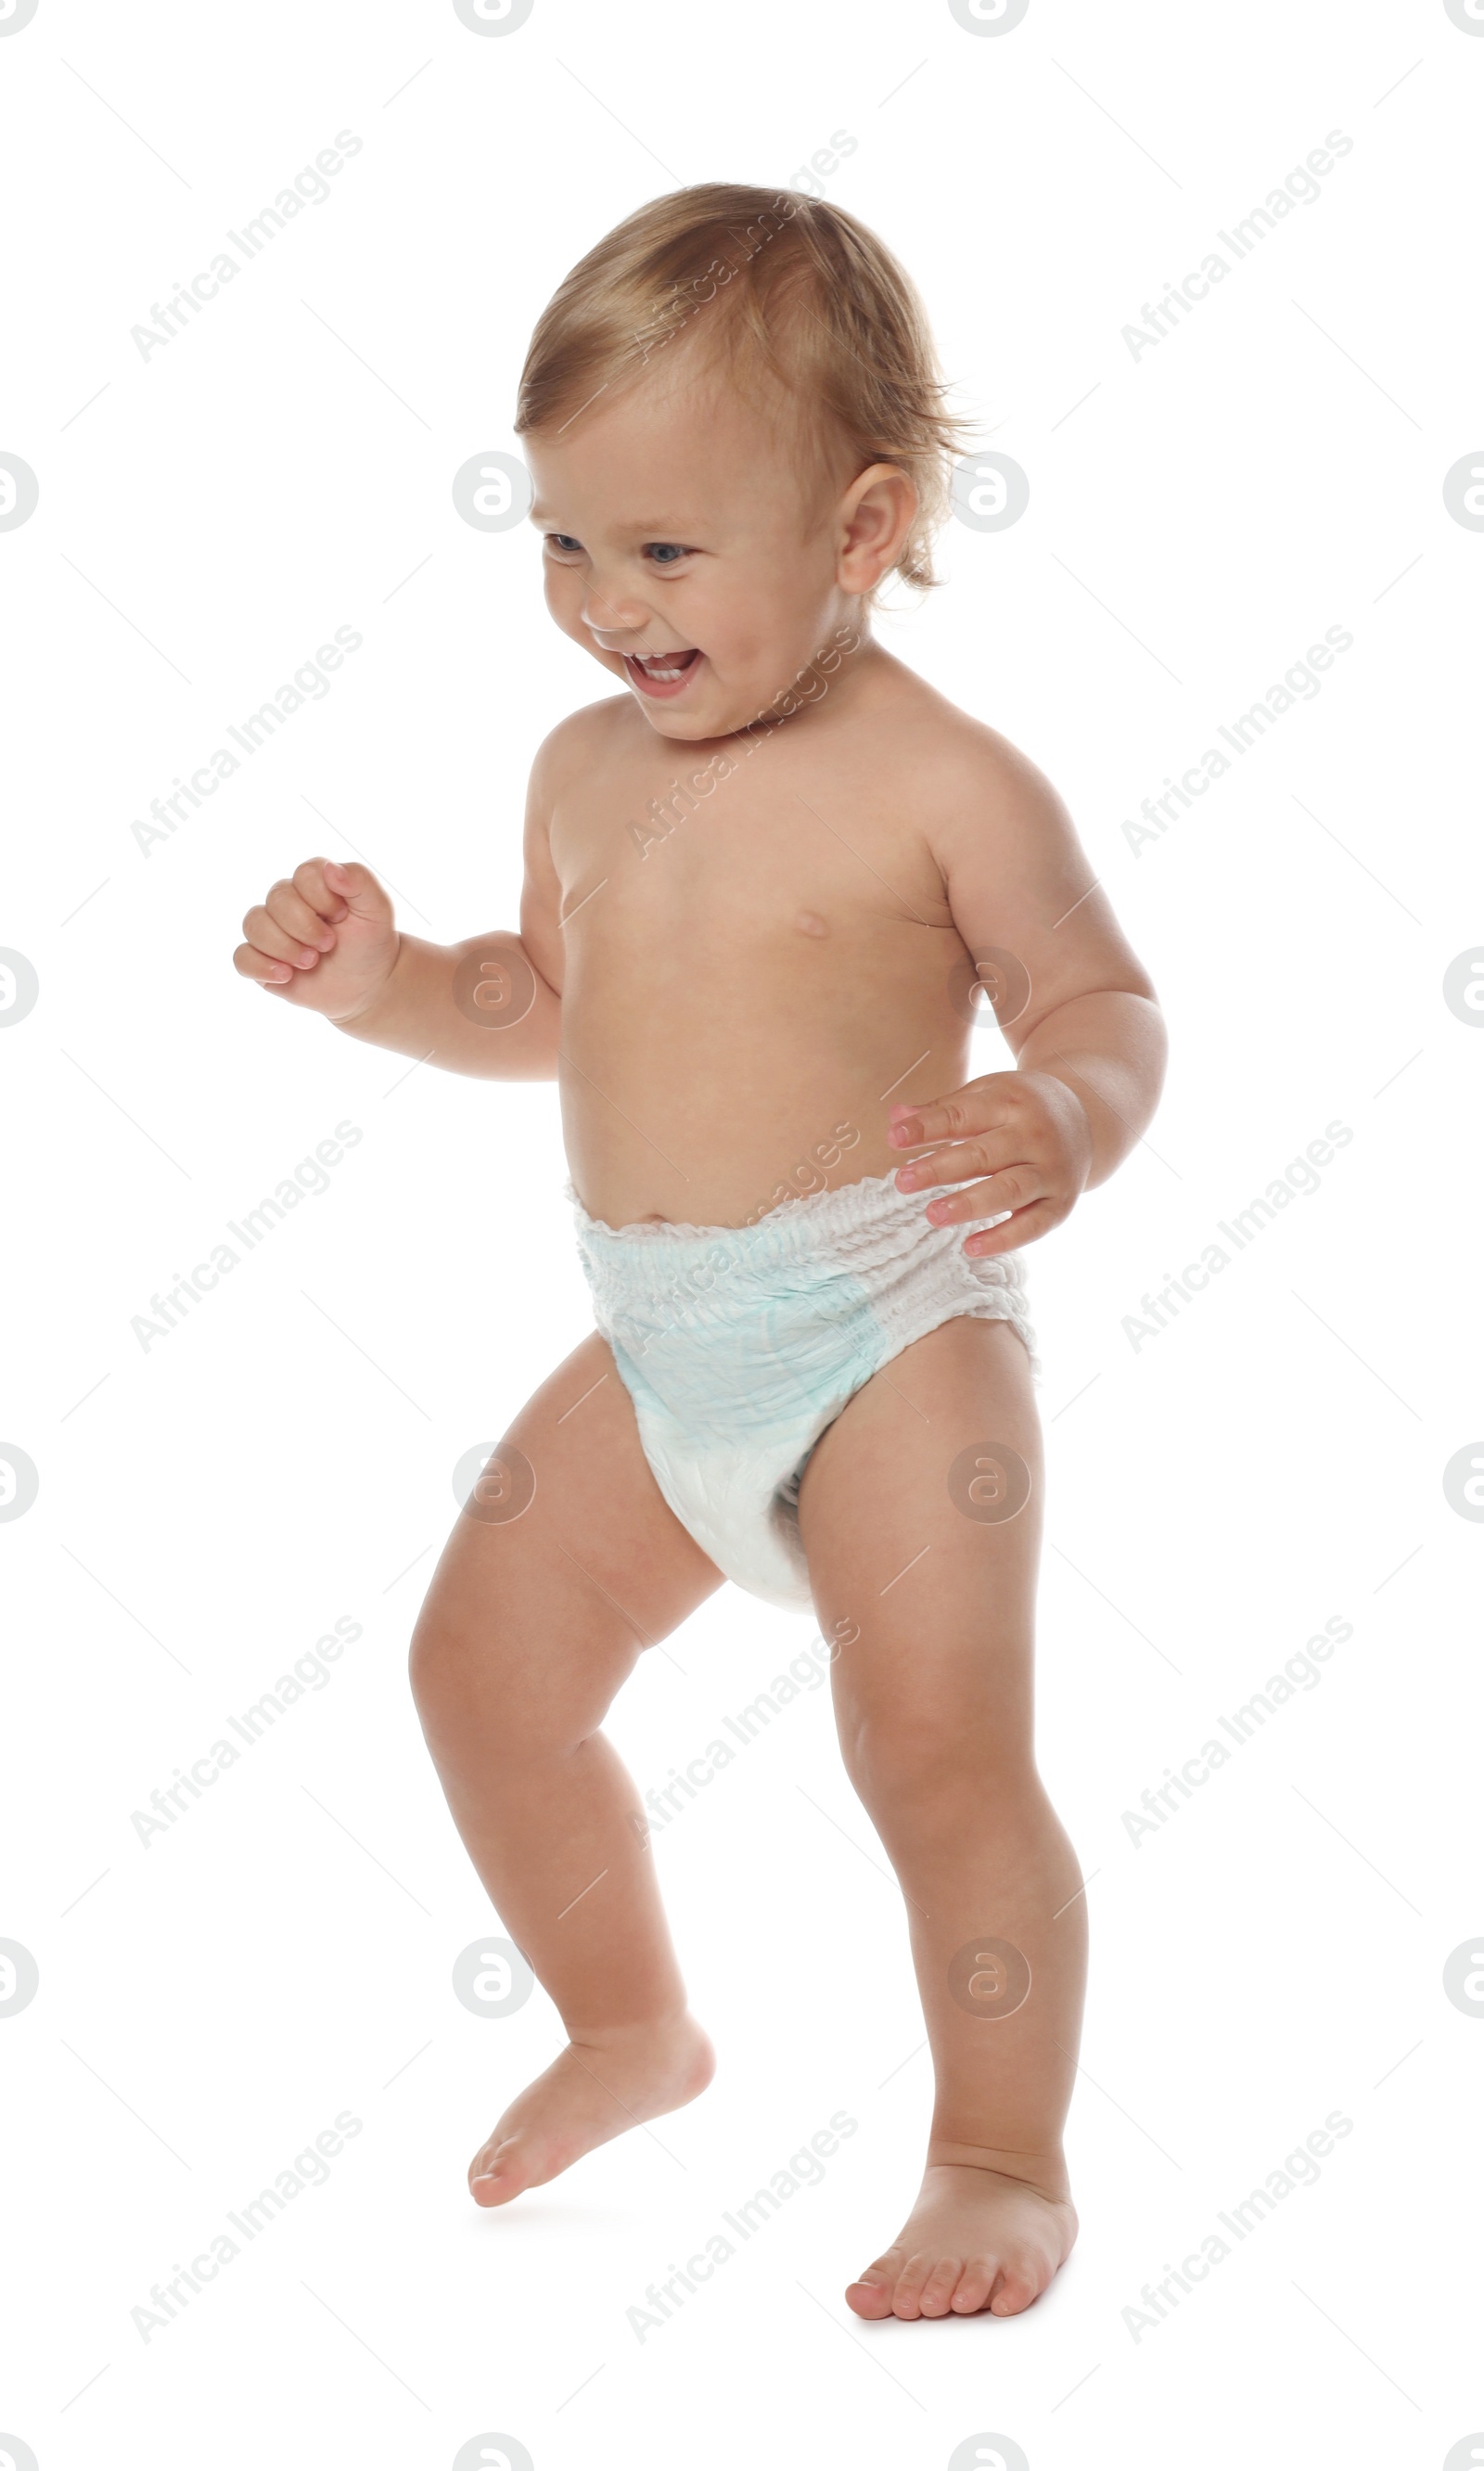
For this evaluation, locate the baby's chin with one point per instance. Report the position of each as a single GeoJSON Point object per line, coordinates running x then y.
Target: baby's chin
{"type": "Point", "coordinates": [690, 727]}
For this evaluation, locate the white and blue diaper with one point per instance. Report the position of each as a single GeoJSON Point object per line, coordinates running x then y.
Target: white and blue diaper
{"type": "Point", "coordinates": [740, 1345]}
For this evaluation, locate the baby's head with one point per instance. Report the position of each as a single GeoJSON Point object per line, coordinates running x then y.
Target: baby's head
{"type": "Point", "coordinates": [735, 423]}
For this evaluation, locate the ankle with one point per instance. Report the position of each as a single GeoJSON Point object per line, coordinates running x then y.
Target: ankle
{"type": "Point", "coordinates": [1043, 2169]}
{"type": "Point", "coordinates": [669, 2029]}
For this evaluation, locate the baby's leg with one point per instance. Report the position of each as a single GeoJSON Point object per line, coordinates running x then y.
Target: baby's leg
{"type": "Point", "coordinates": [933, 1703]}
{"type": "Point", "coordinates": [528, 1628]}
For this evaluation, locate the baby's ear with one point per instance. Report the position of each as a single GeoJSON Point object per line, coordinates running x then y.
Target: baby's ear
{"type": "Point", "coordinates": [876, 512]}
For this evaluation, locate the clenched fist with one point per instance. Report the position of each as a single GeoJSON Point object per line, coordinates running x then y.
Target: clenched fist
{"type": "Point", "coordinates": [326, 939]}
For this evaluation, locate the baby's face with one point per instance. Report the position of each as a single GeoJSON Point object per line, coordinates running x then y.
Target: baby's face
{"type": "Point", "coordinates": [684, 550]}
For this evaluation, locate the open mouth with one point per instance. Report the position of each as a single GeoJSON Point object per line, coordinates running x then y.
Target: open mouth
{"type": "Point", "coordinates": [660, 674]}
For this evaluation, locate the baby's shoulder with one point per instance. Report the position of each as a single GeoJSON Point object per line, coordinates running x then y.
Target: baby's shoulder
{"type": "Point", "coordinates": [959, 765]}
{"type": "Point", "coordinates": [581, 740]}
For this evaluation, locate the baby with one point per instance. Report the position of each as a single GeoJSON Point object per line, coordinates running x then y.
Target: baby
{"type": "Point", "coordinates": [769, 886]}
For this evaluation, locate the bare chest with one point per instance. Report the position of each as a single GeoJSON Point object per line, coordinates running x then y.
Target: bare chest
{"type": "Point", "coordinates": [741, 849]}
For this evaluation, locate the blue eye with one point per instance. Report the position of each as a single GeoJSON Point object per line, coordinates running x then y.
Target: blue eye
{"type": "Point", "coordinates": [665, 553]}
{"type": "Point", "coordinates": [563, 544]}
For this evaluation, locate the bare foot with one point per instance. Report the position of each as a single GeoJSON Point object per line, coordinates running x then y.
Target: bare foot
{"type": "Point", "coordinates": [591, 2091]}
{"type": "Point", "coordinates": [974, 2237]}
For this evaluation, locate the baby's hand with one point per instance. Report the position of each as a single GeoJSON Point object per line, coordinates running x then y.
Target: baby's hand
{"type": "Point", "coordinates": [1026, 1132]}
{"type": "Point", "coordinates": [325, 940]}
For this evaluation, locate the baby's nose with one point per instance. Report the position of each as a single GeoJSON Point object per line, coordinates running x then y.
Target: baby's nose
{"type": "Point", "coordinates": [604, 616]}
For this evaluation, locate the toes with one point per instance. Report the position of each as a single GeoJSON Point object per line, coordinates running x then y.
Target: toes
{"type": "Point", "coordinates": [911, 2282]}
{"type": "Point", "coordinates": [975, 2285]}
{"type": "Point", "coordinates": [1018, 2286]}
{"type": "Point", "coordinates": [923, 2284]}
{"type": "Point", "coordinates": [492, 2170]}
{"type": "Point", "coordinates": [872, 2294]}
{"type": "Point", "coordinates": [938, 2289]}
{"type": "Point", "coordinates": [488, 2156]}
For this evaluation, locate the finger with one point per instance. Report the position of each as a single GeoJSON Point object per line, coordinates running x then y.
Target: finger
{"type": "Point", "coordinates": [263, 970]}
{"type": "Point", "coordinates": [358, 887]}
{"type": "Point", "coordinates": [1021, 1229]}
{"type": "Point", "coordinates": [262, 929]}
{"type": "Point", "coordinates": [289, 910]}
{"type": "Point", "coordinates": [981, 1107]}
{"type": "Point", "coordinates": [983, 1156]}
{"type": "Point", "coordinates": [1016, 1188]}
{"type": "Point", "coordinates": [312, 882]}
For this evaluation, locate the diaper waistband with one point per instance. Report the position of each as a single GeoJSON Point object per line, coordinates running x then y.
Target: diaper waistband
{"type": "Point", "coordinates": [803, 1224]}
{"type": "Point", "coordinates": [855, 1228]}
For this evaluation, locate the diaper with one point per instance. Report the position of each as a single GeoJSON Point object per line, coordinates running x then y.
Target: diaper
{"type": "Point", "coordinates": [738, 1346]}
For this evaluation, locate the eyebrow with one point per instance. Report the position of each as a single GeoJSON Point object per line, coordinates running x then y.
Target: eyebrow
{"type": "Point", "coordinates": [645, 529]}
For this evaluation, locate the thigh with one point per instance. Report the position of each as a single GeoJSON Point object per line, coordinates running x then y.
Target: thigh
{"type": "Point", "coordinates": [566, 1561]}
{"type": "Point", "coordinates": [920, 1513]}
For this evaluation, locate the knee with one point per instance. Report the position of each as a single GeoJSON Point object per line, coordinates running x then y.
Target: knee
{"type": "Point", "coordinates": [488, 1682]}
{"type": "Point", "coordinates": [937, 1773]}
{"type": "Point", "coordinates": [439, 1670]}
{"type": "Point", "coordinates": [453, 1671]}
{"type": "Point", "coordinates": [438, 1651]}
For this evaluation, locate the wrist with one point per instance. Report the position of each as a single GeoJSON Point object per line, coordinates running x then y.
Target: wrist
{"type": "Point", "coordinates": [1067, 1099]}
{"type": "Point", "coordinates": [357, 1015]}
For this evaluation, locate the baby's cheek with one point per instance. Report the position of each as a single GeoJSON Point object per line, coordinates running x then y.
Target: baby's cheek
{"type": "Point", "coordinates": [564, 600]}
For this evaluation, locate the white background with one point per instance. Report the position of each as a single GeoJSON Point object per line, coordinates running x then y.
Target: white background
{"type": "Point", "coordinates": [1271, 1459]}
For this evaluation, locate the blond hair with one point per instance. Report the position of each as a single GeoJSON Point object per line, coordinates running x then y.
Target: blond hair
{"type": "Point", "coordinates": [764, 280]}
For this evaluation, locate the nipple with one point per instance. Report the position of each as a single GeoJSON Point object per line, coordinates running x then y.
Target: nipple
{"type": "Point", "coordinates": [810, 923]}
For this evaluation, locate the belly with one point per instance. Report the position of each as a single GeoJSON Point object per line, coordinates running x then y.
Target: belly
{"type": "Point", "coordinates": [711, 1093]}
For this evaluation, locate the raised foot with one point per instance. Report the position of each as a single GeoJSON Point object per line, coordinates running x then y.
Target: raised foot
{"type": "Point", "coordinates": [975, 2239]}
{"type": "Point", "coordinates": [592, 2091]}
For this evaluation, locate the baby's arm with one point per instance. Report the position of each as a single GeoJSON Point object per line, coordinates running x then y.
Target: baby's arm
{"type": "Point", "coordinates": [1076, 1007]}
{"type": "Point", "coordinates": [326, 940]}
